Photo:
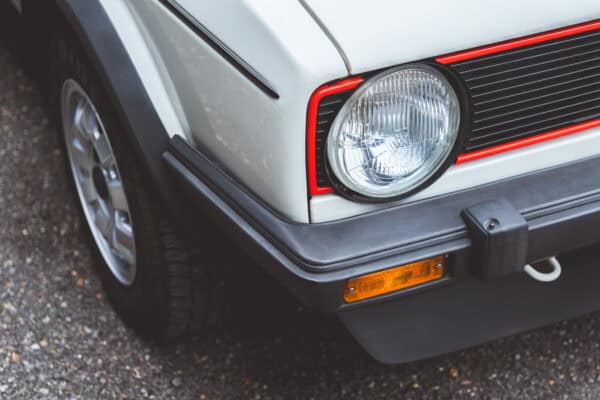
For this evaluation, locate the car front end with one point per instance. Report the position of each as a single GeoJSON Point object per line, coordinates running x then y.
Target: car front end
{"type": "Point", "coordinates": [432, 186]}
{"type": "Point", "coordinates": [416, 169]}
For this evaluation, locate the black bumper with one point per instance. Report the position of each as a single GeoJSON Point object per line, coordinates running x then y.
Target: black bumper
{"type": "Point", "coordinates": [559, 210]}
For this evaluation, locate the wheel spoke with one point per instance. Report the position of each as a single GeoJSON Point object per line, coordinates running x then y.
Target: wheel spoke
{"type": "Point", "coordinates": [84, 122]}
{"type": "Point", "coordinates": [117, 195]}
{"type": "Point", "coordinates": [88, 189]}
{"type": "Point", "coordinates": [103, 220]}
{"type": "Point", "coordinates": [123, 240]}
{"type": "Point", "coordinates": [102, 147]}
{"type": "Point", "coordinates": [81, 154]}
{"type": "Point", "coordinates": [78, 122]}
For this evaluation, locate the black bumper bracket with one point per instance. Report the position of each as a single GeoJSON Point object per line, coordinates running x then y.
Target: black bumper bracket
{"type": "Point", "coordinates": [499, 234]}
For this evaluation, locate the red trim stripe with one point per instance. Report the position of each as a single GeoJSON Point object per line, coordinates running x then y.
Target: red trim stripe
{"type": "Point", "coordinates": [311, 134]}
{"type": "Point", "coordinates": [517, 144]}
{"type": "Point", "coordinates": [515, 44]}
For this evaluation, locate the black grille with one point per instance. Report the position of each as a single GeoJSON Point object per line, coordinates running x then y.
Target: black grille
{"type": "Point", "coordinates": [534, 89]}
{"type": "Point", "coordinates": [328, 110]}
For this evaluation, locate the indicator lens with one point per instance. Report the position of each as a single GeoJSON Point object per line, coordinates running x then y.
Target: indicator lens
{"type": "Point", "coordinates": [394, 279]}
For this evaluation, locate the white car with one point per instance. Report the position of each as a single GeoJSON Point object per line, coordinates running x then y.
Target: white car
{"type": "Point", "coordinates": [413, 167]}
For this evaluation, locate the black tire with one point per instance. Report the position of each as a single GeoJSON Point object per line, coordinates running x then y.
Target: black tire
{"type": "Point", "coordinates": [168, 298]}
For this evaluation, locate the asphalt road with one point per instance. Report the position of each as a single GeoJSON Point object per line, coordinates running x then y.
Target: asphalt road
{"type": "Point", "coordinates": [59, 337]}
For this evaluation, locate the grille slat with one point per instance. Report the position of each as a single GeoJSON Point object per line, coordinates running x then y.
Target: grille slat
{"type": "Point", "coordinates": [533, 89]}
{"type": "Point", "coordinates": [519, 97]}
{"type": "Point", "coordinates": [531, 129]}
{"type": "Point", "coordinates": [562, 68]}
{"type": "Point", "coordinates": [506, 129]}
{"type": "Point", "coordinates": [501, 74]}
{"type": "Point", "coordinates": [540, 55]}
{"type": "Point", "coordinates": [531, 105]}
{"type": "Point", "coordinates": [330, 103]}
{"type": "Point", "coordinates": [325, 113]}
{"type": "Point", "coordinates": [537, 84]}
{"type": "Point", "coordinates": [531, 132]}
{"type": "Point", "coordinates": [517, 118]}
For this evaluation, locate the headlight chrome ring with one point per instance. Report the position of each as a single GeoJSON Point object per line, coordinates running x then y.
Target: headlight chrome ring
{"type": "Point", "coordinates": [396, 133]}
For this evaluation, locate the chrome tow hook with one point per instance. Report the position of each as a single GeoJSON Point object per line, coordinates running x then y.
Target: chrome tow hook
{"type": "Point", "coordinates": [545, 276]}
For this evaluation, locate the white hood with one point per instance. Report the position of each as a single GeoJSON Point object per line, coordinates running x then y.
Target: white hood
{"type": "Point", "coordinates": [379, 33]}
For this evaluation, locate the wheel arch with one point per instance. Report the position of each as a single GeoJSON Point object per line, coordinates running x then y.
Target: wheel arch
{"type": "Point", "coordinates": [94, 30]}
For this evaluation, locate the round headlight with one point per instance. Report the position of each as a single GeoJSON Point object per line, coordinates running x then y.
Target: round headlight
{"type": "Point", "coordinates": [395, 132]}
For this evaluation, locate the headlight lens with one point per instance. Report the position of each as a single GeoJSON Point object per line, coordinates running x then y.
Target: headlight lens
{"type": "Point", "coordinates": [395, 132]}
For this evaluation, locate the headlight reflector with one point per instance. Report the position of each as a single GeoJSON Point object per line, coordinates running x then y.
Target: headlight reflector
{"type": "Point", "coordinates": [395, 132]}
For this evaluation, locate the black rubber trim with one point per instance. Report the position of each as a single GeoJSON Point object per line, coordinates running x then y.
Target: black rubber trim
{"type": "Point", "coordinates": [126, 91]}
{"type": "Point", "coordinates": [227, 53]}
{"type": "Point", "coordinates": [322, 291]}
{"type": "Point", "coordinates": [405, 231]}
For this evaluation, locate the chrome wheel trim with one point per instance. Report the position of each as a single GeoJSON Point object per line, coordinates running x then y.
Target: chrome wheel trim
{"type": "Point", "coordinates": [98, 182]}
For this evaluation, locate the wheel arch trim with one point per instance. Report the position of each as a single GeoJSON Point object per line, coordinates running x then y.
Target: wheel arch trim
{"type": "Point", "coordinates": [143, 125]}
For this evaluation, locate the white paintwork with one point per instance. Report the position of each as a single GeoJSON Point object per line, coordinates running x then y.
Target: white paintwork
{"type": "Point", "coordinates": [381, 33]}
{"type": "Point", "coordinates": [299, 45]}
{"type": "Point", "coordinates": [148, 63]}
{"type": "Point", "coordinates": [479, 172]}
{"type": "Point", "coordinates": [259, 139]}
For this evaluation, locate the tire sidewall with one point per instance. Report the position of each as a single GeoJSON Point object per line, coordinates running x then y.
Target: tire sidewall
{"type": "Point", "coordinates": [144, 304]}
